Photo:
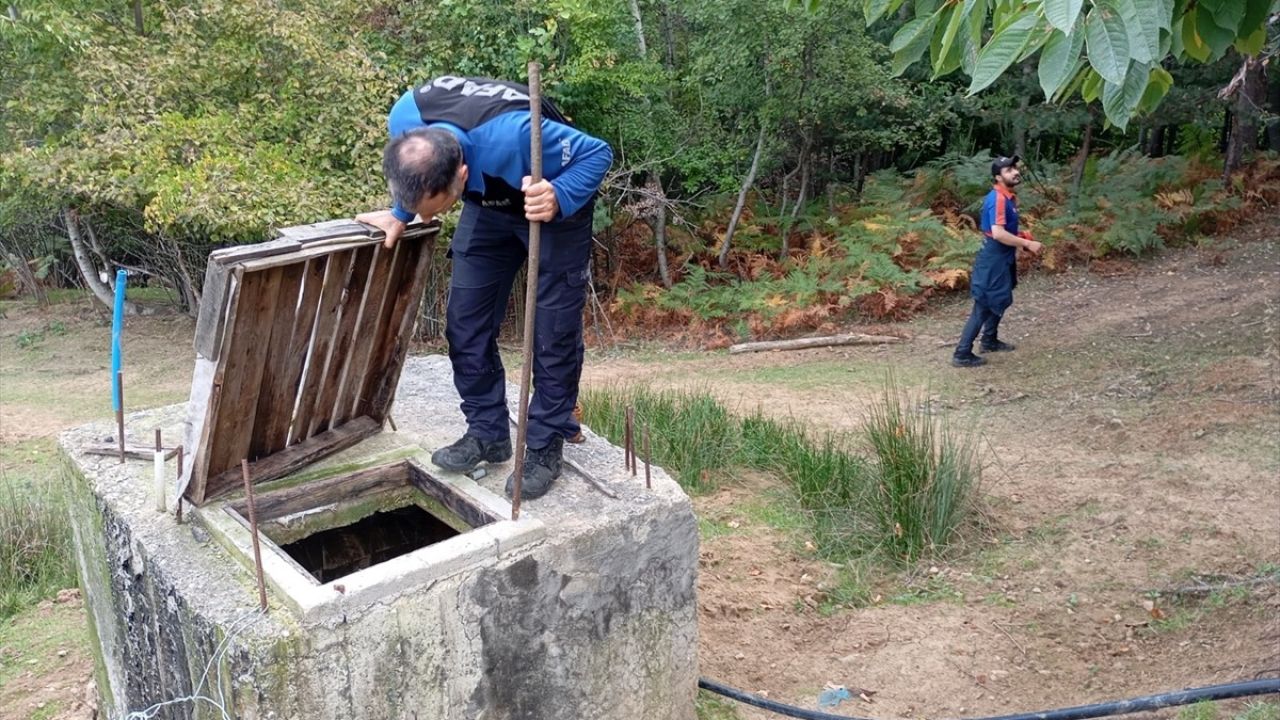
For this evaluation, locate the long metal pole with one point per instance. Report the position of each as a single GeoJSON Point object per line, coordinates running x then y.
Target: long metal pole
{"type": "Point", "coordinates": [531, 283]}
{"type": "Point", "coordinates": [253, 530]}
{"type": "Point", "coordinates": [117, 374]}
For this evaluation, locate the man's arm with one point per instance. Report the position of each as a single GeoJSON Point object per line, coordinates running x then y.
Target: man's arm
{"type": "Point", "coordinates": [1004, 237]}
{"type": "Point", "coordinates": [575, 182]}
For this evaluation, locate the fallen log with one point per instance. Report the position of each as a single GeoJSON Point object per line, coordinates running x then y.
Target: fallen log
{"type": "Point", "coordinates": [813, 342]}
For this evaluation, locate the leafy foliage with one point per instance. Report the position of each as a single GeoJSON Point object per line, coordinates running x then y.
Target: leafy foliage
{"type": "Point", "coordinates": [1103, 48]}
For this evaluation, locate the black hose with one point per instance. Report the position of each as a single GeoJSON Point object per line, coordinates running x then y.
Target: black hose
{"type": "Point", "coordinates": [1119, 707]}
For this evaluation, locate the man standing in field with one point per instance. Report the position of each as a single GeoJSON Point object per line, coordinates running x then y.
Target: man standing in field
{"type": "Point", "coordinates": [469, 138]}
{"type": "Point", "coordinates": [995, 269]}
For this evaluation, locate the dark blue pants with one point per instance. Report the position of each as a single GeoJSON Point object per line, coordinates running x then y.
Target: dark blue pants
{"type": "Point", "coordinates": [488, 248]}
{"type": "Point", "coordinates": [982, 320]}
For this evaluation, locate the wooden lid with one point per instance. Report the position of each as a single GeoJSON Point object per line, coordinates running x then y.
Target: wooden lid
{"type": "Point", "coordinates": [299, 347]}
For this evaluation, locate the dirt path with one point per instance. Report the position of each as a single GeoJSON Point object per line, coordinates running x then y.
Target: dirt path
{"type": "Point", "coordinates": [1135, 443]}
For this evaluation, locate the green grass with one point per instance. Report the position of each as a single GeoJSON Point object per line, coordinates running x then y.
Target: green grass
{"type": "Point", "coordinates": [35, 533]}
{"type": "Point", "coordinates": [713, 707]}
{"type": "Point", "coordinates": [927, 475]}
{"type": "Point", "coordinates": [35, 637]}
{"type": "Point", "coordinates": [906, 500]}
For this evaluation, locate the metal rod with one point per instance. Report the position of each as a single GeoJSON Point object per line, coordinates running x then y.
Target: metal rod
{"type": "Point", "coordinates": [592, 480]}
{"type": "Point", "coordinates": [253, 530]}
{"type": "Point", "coordinates": [158, 481]}
{"type": "Point", "coordinates": [626, 439]}
{"type": "Point", "coordinates": [178, 512]}
{"type": "Point", "coordinates": [392, 423]}
{"type": "Point", "coordinates": [634, 434]}
{"type": "Point", "coordinates": [648, 480]}
{"type": "Point", "coordinates": [120, 411]}
{"type": "Point", "coordinates": [531, 284]}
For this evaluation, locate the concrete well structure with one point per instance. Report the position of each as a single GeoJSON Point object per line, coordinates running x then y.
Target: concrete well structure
{"type": "Point", "coordinates": [583, 608]}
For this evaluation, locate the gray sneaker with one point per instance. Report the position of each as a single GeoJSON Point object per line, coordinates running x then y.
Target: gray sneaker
{"type": "Point", "coordinates": [469, 451]}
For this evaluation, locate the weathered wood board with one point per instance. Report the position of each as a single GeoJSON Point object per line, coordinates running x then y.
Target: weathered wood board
{"type": "Point", "coordinates": [299, 346]}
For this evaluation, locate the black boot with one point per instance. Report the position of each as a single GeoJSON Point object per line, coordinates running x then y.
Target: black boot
{"type": "Point", "coordinates": [967, 360]}
{"type": "Point", "coordinates": [541, 468]}
{"type": "Point", "coordinates": [469, 451]}
{"type": "Point", "coordinates": [996, 346]}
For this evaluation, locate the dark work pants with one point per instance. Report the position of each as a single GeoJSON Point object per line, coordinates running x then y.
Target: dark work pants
{"type": "Point", "coordinates": [488, 248]}
{"type": "Point", "coordinates": [984, 320]}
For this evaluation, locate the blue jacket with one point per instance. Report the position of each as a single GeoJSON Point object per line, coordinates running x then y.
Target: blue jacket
{"type": "Point", "coordinates": [492, 122]}
{"type": "Point", "coordinates": [995, 268]}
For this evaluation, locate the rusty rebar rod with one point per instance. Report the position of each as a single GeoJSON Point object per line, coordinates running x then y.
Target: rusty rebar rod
{"type": "Point", "coordinates": [253, 530]}
{"type": "Point", "coordinates": [158, 480]}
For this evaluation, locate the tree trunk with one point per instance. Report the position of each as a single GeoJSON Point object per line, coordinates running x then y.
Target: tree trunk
{"type": "Point", "coordinates": [1155, 142]}
{"type": "Point", "coordinates": [1226, 131]}
{"type": "Point", "coordinates": [638, 20]}
{"type": "Point", "coordinates": [1273, 102]}
{"type": "Point", "coordinates": [1020, 120]}
{"type": "Point", "coordinates": [659, 225]}
{"type": "Point", "coordinates": [84, 261]}
{"type": "Point", "coordinates": [1171, 141]}
{"type": "Point", "coordinates": [669, 38]}
{"type": "Point", "coordinates": [1249, 99]}
{"type": "Point", "coordinates": [137, 16]}
{"type": "Point", "coordinates": [742, 198]}
{"type": "Point", "coordinates": [1077, 173]}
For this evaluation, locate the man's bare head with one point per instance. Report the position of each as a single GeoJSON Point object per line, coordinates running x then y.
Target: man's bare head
{"type": "Point", "coordinates": [425, 170]}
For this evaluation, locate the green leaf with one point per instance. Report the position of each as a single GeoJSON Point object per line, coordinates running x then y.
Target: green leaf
{"type": "Point", "coordinates": [1036, 40]}
{"type": "Point", "coordinates": [1215, 36]}
{"type": "Point", "coordinates": [1077, 75]}
{"type": "Point", "coordinates": [1141, 23]}
{"type": "Point", "coordinates": [1227, 14]}
{"type": "Point", "coordinates": [1003, 50]}
{"type": "Point", "coordinates": [942, 55]}
{"type": "Point", "coordinates": [910, 42]}
{"type": "Point", "coordinates": [1108, 43]}
{"type": "Point", "coordinates": [1253, 44]}
{"type": "Point", "coordinates": [1091, 89]}
{"type": "Point", "coordinates": [873, 10]}
{"type": "Point", "coordinates": [1158, 86]}
{"type": "Point", "coordinates": [1120, 101]}
{"type": "Point", "coordinates": [1058, 61]}
{"type": "Point", "coordinates": [1255, 15]}
{"type": "Point", "coordinates": [1164, 14]}
{"type": "Point", "coordinates": [973, 38]}
{"type": "Point", "coordinates": [1196, 48]}
{"type": "Point", "coordinates": [1062, 14]}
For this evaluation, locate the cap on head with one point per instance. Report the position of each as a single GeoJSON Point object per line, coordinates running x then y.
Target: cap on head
{"type": "Point", "coordinates": [1002, 162]}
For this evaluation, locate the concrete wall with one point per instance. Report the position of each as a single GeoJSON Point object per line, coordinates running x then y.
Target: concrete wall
{"type": "Point", "coordinates": [595, 620]}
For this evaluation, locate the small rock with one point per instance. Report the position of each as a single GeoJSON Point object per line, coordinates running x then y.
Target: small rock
{"type": "Point", "coordinates": [200, 534]}
{"type": "Point", "coordinates": [62, 653]}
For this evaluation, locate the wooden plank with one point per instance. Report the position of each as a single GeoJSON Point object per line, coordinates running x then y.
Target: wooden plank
{"type": "Point", "coordinates": [329, 229]}
{"type": "Point", "coordinates": [231, 255]}
{"type": "Point", "coordinates": [213, 306]}
{"type": "Point", "coordinates": [321, 339]}
{"type": "Point", "coordinates": [379, 297]}
{"type": "Point", "coordinates": [131, 450]}
{"type": "Point", "coordinates": [276, 434]}
{"type": "Point", "coordinates": [293, 458]}
{"type": "Point", "coordinates": [327, 491]}
{"type": "Point", "coordinates": [275, 397]}
{"type": "Point", "coordinates": [229, 443]}
{"type": "Point", "coordinates": [200, 453]}
{"type": "Point", "coordinates": [318, 250]}
{"type": "Point", "coordinates": [813, 342]}
{"type": "Point", "coordinates": [353, 299]}
{"type": "Point", "coordinates": [412, 284]}
{"type": "Point", "coordinates": [471, 512]}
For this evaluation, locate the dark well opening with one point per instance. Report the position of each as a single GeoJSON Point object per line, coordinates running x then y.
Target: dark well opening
{"type": "Point", "coordinates": [334, 553]}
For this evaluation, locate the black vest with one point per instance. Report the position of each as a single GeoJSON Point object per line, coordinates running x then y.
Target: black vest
{"type": "Point", "coordinates": [471, 102]}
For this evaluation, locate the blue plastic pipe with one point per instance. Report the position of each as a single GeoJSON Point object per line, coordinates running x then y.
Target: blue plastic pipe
{"type": "Point", "coordinates": [117, 325]}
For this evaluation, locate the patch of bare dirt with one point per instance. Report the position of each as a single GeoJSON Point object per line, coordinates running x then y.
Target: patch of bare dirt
{"type": "Point", "coordinates": [1134, 444]}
